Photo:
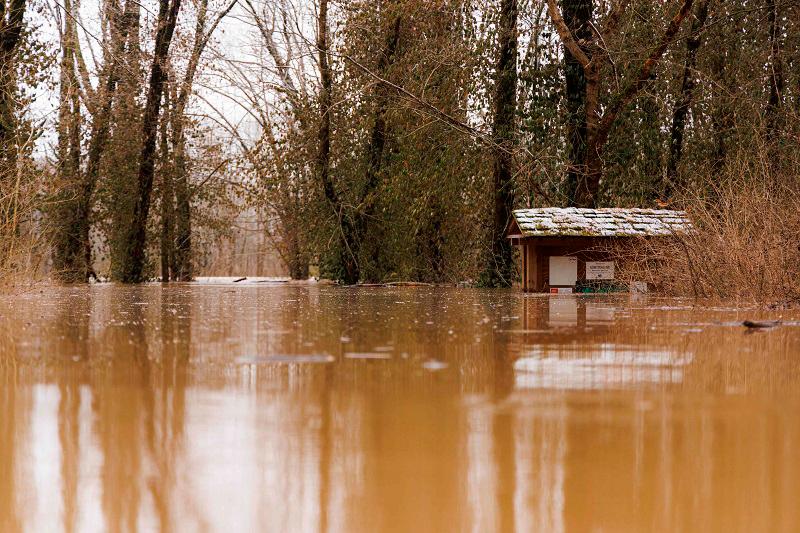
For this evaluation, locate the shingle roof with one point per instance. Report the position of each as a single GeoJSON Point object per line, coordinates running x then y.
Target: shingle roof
{"type": "Point", "coordinates": [604, 222]}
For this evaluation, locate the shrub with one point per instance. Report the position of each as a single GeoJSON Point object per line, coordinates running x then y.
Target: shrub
{"type": "Point", "coordinates": [744, 244]}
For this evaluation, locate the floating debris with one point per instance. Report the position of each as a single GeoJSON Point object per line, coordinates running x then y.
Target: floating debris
{"type": "Point", "coordinates": [524, 331]}
{"type": "Point", "coordinates": [286, 359]}
{"type": "Point", "coordinates": [761, 324]}
{"type": "Point", "coordinates": [367, 355]}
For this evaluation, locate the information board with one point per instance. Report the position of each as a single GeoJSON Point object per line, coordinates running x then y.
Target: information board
{"type": "Point", "coordinates": [600, 270]}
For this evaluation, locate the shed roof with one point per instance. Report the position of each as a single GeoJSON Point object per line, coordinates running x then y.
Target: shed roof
{"type": "Point", "coordinates": [603, 222]}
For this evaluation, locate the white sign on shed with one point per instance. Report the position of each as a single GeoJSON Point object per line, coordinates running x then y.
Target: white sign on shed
{"type": "Point", "coordinates": [563, 270]}
{"type": "Point", "coordinates": [599, 269]}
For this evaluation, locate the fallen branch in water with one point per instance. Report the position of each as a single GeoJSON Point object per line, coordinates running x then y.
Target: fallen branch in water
{"type": "Point", "coordinates": [395, 284]}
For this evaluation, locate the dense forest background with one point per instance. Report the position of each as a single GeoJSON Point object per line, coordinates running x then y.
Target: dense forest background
{"type": "Point", "coordinates": [376, 140]}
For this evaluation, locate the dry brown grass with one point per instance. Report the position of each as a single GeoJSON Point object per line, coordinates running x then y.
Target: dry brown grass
{"type": "Point", "coordinates": [745, 244]}
{"type": "Point", "coordinates": [23, 247]}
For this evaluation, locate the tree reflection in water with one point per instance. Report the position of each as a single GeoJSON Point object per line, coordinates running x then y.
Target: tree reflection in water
{"type": "Point", "coordinates": [161, 408]}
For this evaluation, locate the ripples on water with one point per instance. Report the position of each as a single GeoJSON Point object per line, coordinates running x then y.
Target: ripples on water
{"type": "Point", "coordinates": [268, 408]}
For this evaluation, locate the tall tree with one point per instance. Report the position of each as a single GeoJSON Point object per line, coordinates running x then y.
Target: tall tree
{"type": "Point", "coordinates": [11, 26]}
{"type": "Point", "coordinates": [600, 118]}
{"type": "Point", "coordinates": [346, 234]}
{"type": "Point", "coordinates": [166, 171]}
{"type": "Point", "coordinates": [684, 102]}
{"type": "Point", "coordinates": [578, 18]}
{"type": "Point", "coordinates": [69, 111]}
{"type": "Point", "coordinates": [72, 252]}
{"type": "Point", "coordinates": [120, 162]}
{"type": "Point", "coordinates": [67, 249]}
{"type": "Point", "coordinates": [181, 264]}
{"type": "Point", "coordinates": [365, 209]}
{"type": "Point", "coordinates": [500, 266]}
{"type": "Point", "coordinates": [135, 236]}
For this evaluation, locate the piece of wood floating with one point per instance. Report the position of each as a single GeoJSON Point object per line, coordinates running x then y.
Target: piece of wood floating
{"type": "Point", "coordinates": [763, 324]}
{"type": "Point", "coordinates": [240, 279]}
{"type": "Point", "coordinates": [395, 284]}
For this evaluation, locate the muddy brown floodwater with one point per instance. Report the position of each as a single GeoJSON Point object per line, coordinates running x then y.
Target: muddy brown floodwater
{"type": "Point", "coordinates": [290, 409]}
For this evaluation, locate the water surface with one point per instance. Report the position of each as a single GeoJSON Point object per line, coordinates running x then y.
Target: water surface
{"type": "Point", "coordinates": [268, 408]}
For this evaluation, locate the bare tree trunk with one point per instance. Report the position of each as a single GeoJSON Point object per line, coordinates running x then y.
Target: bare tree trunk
{"type": "Point", "coordinates": [75, 251]}
{"type": "Point", "coordinates": [297, 262]}
{"type": "Point", "coordinates": [69, 123]}
{"type": "Point", "coordinates": [182, 255]}
{"type": "Point", "coordinates": [578, 16]}
{"type": "Point", "coordinates": [681, 110]}
{"type": "Point", "coordinates": [500, 267]}
{"type": "Point", "coordinates": [348, 258]}
{"type": "Point", "coordinates": [167, 195]}
{"type": "Point", "coordinates": [11, 25]}
{"type": "Point", "coordinates": [135, 237]}
{"type": "Point", "coordinates": [181, 263]}
{"type": "Point", "coordinates": [68, 250]}
{"type": "Point", "coordinates": [375, 151]}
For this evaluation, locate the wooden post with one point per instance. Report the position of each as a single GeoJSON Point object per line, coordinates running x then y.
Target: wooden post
{"type": "Point", "coordinates": [529, 268]}
{"type": "Point", "coordinates": [524, 253]}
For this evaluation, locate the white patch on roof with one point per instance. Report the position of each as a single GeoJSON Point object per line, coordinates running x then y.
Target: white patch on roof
{"type": "Point", "coordinates": [603, 222]}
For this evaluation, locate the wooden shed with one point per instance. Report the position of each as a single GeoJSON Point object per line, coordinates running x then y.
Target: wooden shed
{"type": "Point", "coordinates": [569, 249]}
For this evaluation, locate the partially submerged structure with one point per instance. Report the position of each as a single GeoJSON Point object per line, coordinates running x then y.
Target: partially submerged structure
{"type": "Point", "coordinates": [570, 249]}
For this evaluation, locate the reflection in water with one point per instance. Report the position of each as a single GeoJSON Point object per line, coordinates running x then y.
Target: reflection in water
{"type": "Point", "coordinates": [563, 311]}
{"type": "Point", "coordinates": [604, 366]}
{"type": "Point", "coordinates": [318, 409]}
{"type": "Point", "coordinates": [14, 403]}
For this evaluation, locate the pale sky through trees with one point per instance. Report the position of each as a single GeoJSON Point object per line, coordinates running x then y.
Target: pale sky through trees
{"type": "Point", "coordinates": [234, 41]}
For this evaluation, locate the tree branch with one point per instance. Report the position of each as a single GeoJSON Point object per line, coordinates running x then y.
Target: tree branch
{"type": "Point", "coordinates": [622, 100]}
{"type": "Point", "coordinates": [566, 34]}
{"type": "Point", "coordinates": [281, 63]}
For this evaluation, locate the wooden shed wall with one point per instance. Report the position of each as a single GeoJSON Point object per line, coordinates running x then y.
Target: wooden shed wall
{"type": "Point", "coordinates": [536, 253]}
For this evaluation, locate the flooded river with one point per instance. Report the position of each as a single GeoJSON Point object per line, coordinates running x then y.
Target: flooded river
{"type": "Point", "coordinates": [276, 408]}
